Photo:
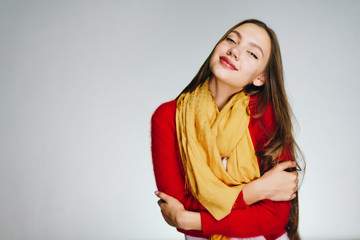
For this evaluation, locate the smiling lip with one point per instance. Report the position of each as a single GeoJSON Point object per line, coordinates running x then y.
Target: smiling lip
{"type": "Point", "coordinates": [227, 63]}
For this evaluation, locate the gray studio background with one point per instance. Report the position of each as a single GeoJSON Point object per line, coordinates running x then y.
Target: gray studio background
{"type": "Point", "coordinates": [79, 81]}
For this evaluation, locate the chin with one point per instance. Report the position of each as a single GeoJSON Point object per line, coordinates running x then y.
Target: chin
{"type": "Point", "coordinates": [221, 73]}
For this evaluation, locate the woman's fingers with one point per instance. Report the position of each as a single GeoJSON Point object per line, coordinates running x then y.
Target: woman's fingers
{"type": "Point", "coordinates": [171, 208]}
{"type": "Point", "coordinates": [281, 184]}
{"type": "Point", "coordinates": [160, 202]}
{"type": "Point", "coordinates": [163, 196]}
{"type": "Point", "coordinates": [285, 165]}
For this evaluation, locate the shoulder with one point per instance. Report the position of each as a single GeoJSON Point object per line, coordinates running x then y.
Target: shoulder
{"type": "Point", "coordinates": [261, 127]}
{"type": "Point", "coordinates": [267, 119]}
{"type": "Point", "coordinates": [163, 127]}
{"type": "Point", "coordinates": [165, 111]}
{"type": "Point", "coordinates": [163, 118]}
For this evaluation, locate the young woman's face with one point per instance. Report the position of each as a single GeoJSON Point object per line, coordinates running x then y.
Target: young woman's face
{"type": "Point", "coordinates": [241, 57]}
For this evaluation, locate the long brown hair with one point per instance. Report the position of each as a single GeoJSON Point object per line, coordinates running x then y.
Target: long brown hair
{"type": "Point", "coordinates": [272, 92]}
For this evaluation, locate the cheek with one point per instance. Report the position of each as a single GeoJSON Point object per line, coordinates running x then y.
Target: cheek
{"type": "Point", "coordinates": [220, 49]}
{"type": "Point", "coordinates": [247, 66]}
{"type": "Point", "coordinates": [212, 62]}
{"type": "Point", "coordinates": [252, 67]}
{"type": "Point", "coordinates": [215, 57]}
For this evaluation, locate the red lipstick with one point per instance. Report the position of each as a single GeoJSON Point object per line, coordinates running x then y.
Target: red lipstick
{"type": "Point", "coordinates": [227, 63]}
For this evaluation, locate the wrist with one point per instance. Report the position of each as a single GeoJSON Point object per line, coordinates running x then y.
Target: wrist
{"type": "Point", "coordinates": [180, 219]}
{"type": "Point", "coordinates": [188, 220]}
{"type": "Point", "coordinates": [254, 191]}
{"type": "Point", "coordinates": [262, 189]}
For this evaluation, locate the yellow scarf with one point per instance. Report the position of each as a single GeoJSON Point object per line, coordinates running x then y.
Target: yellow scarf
{"type": "Point", "coordinates": [205, 136]}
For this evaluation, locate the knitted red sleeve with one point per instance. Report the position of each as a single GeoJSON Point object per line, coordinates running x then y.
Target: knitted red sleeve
{"type": "Point", "coordinates": [168, 168]}
{"type": "Point", "coordinates": [265, 218]}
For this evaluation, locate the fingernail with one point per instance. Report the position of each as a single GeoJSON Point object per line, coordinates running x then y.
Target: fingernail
{"type": "Point", "coordinates": [156, 192]}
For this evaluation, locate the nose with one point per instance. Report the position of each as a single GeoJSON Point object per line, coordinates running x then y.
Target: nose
{"type": "Point", "coordinates": [233, 52]}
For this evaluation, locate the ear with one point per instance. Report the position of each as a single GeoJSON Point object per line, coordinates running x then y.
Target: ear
{"type": "Point", "coordinates": [260, 80]}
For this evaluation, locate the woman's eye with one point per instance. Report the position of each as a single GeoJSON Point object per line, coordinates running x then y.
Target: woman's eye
{"type": "Point", "coordinates": [253, 55]}
{"type": "Point", "coordinates": [230, 40]}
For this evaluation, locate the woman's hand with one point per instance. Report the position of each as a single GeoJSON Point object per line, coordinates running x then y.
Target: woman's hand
{"type": "Point", "coordinates": [279, 184]}
{"type": "Point", "coordinates": [276, 185]}
{"type": "Point", "coordinates": [175, 214]}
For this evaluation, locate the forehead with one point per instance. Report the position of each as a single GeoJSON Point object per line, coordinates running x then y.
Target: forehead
{"type": "Point", "coordinates": [253, 33]}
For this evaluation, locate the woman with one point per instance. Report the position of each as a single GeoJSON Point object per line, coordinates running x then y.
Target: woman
{"type": "Point", "coordinates": [223, 151]}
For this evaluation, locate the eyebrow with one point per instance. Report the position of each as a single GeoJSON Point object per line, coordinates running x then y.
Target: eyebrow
{"type": "Point", "coordinates": [251, 43]}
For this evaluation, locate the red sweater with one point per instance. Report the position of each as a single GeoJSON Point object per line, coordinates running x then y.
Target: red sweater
{"type": "Point", "coordinates": [266, 217]}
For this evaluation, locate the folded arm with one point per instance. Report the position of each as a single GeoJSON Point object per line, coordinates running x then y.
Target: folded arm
{"type": "Point", "coordinates": [265, 217]}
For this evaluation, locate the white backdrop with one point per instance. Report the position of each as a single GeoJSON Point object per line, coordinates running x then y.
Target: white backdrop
{"type": "Point", "coordinates": [79, 81]}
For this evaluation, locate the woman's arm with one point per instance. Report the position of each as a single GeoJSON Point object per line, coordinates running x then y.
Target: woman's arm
{"type": "Point", "coordinates": [168, 169]}
{"type": "Point", "coordinates": [175, 214]}
{"type": "Point", "coordinates": [262, 218]}
{"type": "Point", "coordinates": [275, 185]}
{"type": "Point", "coordinates": [265, 218]}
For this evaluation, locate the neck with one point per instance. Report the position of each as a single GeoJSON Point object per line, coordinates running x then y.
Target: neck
{"type": "Point", "coordinates": [221, 92]}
